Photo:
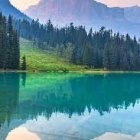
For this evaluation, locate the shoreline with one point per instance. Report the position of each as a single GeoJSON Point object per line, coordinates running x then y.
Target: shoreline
{"type": "Point", "coordinates": [72, 71]}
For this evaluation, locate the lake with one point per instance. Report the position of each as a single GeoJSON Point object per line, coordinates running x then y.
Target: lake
{"type": "Point", "coordinates": [43, 106]}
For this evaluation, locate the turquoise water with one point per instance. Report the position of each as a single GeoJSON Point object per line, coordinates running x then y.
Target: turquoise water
{"type": "Point", "coordinates": [69, 106]}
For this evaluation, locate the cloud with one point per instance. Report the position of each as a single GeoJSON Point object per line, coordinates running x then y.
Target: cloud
{"type": "Point", "coordinates": [24, 4]}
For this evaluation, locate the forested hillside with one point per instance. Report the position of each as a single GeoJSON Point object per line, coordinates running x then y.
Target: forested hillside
{"type": "Point", "coordinates": [9, 45]}
{"type": "Point", "coordinates": [101, 49]}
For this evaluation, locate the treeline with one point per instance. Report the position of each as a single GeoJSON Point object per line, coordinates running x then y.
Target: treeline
{"type": "Point", "coordinates": [100, 49]}
{"type": "Point", "coordinates": [9, 45]}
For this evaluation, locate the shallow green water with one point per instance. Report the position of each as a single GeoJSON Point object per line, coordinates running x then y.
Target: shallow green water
{"type": "Point", "coordinates": [69, 106]}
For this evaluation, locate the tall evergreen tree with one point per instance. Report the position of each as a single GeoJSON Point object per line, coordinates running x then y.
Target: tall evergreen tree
{"type": "Point", "coordinates": [23, 64]}
{"type": "Point", "coordinates": [9, 44]}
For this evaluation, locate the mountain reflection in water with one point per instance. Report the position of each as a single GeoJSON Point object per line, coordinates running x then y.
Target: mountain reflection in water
{"type": "Point", "coordinates": [75, 106]}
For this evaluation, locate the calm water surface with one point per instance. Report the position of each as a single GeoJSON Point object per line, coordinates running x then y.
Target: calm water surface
{"type": "Point", "coordinates": [69, 107]}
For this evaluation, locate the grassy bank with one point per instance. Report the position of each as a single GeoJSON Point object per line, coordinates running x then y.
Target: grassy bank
{"type": "Point", "coordinates": [41, 60]}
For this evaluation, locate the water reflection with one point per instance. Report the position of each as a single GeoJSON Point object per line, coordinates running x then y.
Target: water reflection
{"type": "Point", "coordinates": [9, 92]}
{"type": "Point", "coordinates": [81, 103]}
{"type": "Point", "coordinates": [22, 133]}
{"type": "Point", "coordinates": [23, 78]}
{"type": "Point", "coordinates": [113, 136]}
{"type": "Point", "coordinates": [73, 94]}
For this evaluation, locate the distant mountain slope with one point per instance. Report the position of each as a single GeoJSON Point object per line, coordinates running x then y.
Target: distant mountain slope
{"type": "Point", "coordinates": [6, 8]}
{"type": "Point", "coordinates": [89, 13]}
{"type": "Point", "coordinates": [132, 14]}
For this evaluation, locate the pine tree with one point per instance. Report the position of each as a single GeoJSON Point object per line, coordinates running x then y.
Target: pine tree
{"type": "Point", "coordinates": [10, 49]}
{"type": "Point", "coordinates": [1, 41]}
{"type": "Point", "coordinates": [23, 64]}
{"type": "Point", "coordinates": [106, 59]}
{"type": "Point", "coordinates": [16, 51]}
{"type": "Point", "coordinates": [9, 44]}
{"type": "Point", "coordinates": [88, 55]}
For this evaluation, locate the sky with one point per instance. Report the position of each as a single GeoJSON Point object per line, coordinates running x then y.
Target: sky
{"type": "Point", "coordinates": [24, 4]}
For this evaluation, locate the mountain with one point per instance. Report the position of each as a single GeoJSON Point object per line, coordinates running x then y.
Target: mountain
{"type": "Point", "coordinates": [88, 13]}
{"type": "Point", "coordinates": [132, 14]}
{"type": "Point", "coordinates": [74, 10]}
{"type": "Point", "coordinates": [8, 9]}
